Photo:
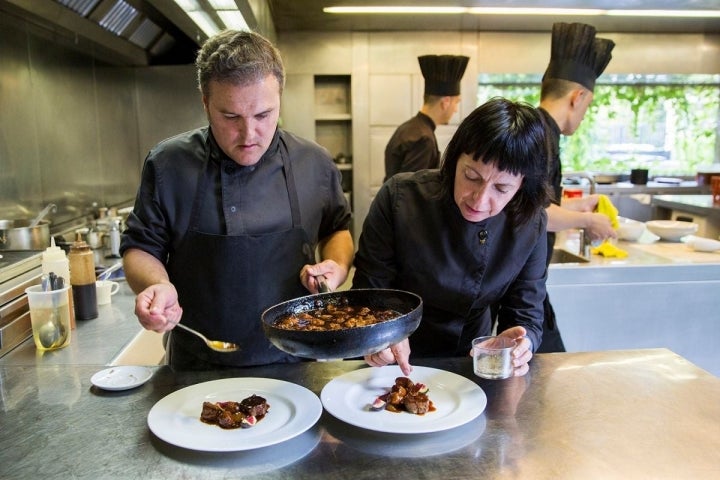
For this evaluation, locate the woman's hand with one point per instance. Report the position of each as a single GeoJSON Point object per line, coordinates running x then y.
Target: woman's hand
{"type": "Point", "coordinates": [522, 353]}
{"type": "Point", "coordinates": [400, 353]}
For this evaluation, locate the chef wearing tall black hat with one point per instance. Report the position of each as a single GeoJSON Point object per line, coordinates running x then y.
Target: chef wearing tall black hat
{"type": "Point", "coordinates": [577, 59]}
{"type": "Point", "coordinates": [413, 146]}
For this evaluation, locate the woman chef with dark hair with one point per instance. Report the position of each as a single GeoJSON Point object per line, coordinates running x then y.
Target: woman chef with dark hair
{"type": "Point", "coordinates": [465, 237]}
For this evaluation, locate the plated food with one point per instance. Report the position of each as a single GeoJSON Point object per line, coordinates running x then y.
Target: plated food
{"type": "Point", "coordinates": [243, 414]}
{"type": "Point", "coordinates": [456, 399]}
{"type": "Point", "coordinates": [405, 396]}
{"type": "Point", "coordinates": [174, 418]}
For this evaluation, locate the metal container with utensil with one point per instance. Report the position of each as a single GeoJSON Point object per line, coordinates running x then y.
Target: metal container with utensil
{"type": "Point", "coordinates": [20, 235]}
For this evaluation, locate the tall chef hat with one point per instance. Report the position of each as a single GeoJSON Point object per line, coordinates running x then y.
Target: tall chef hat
{"type": "Point", "coordinates": [603, 54]}
{"type": "Point", "coordinates": [576, 55]}
{"type": "Point", "coordinates": [442, 73]}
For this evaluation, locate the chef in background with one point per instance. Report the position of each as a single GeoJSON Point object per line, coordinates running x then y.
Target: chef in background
{"type": "Point", "coordinates": [227, 217]}
{"type": "Point", "coordinates": [413, 146]}
{"type": "Point", "coordinates": [577, 59]}
{"type": "Point", "coordinates": [467, 236]}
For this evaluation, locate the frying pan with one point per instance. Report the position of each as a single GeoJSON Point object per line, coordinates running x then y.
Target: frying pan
{"type": "Point", "coordinates": [349, 342]}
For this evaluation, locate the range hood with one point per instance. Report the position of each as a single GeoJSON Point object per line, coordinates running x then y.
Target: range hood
{"type": "Point", "coordinates": [121, 32]}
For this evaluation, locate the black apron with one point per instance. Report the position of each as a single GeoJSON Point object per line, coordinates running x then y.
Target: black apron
{"type": "Point", "coordinates": [224, 283]}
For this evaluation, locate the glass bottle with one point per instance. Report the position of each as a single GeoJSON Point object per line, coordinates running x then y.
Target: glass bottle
{"type": "Point", "coordinates": [82, 279]}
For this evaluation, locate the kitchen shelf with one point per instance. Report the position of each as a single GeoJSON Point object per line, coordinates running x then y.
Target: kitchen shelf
{"type": "Point", "coordinates": [333, 122]}
{"type": "Point", "coordinates": [333, 117]}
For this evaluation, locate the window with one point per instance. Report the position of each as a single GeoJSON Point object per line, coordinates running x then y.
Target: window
{"type": "Point", "coordinates": [665, 123]}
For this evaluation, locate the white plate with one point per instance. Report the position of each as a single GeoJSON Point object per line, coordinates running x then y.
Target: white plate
{"type": "Point", "coordinates": [121, 378]}
{"type": "Point", "coordinates": [457, 400]}
{"type": "Point", "coordinates": [701, 244]}
{"type": "Point", "coordinates": [398, 445]}
{"type": "Point", "coordinates": [176, 418]}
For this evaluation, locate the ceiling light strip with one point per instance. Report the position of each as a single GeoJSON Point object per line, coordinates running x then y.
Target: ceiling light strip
{"type": "Point", "coordinates": [392, 10]}
{"type": "Point", "coordinates": [524, 11]}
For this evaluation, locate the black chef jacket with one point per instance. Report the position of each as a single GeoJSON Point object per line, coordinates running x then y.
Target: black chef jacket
{"type": "Point", "coordinates": [415, 240]}
{"type": "Point", "coordinates": [412, 147]}
{"type": "Point", "coordinates": [238, 256]}
{"type": "Point", "coordinates": [243, 200]}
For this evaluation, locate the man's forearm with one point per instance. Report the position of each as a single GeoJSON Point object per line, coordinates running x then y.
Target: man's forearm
{"type": "Point", "coordinates": [142, 270]}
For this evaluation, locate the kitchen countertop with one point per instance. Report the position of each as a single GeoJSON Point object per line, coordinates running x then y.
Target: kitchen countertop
{"type": "Point", "coordinates": [698, 204]}
{"type": "Point", "coordinates": [575, 415]}
{"type": "Point", "coordinates": [93, 342]}
{"type": "Point", "coordinates": [652, 188]}
{"type": "Point", "coordinates": [618, 414]}
{"type": "Point", "coordinates": [647, 251]}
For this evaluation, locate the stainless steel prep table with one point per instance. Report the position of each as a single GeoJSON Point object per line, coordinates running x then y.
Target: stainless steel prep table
{"type": "Point", "coordinates": [617, 414]}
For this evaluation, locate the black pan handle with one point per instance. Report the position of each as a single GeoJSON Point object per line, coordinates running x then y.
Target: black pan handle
{"type": "Point", "coordinates": [322, 284]}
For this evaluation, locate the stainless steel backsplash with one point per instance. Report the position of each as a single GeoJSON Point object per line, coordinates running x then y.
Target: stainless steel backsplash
{"type": "Point", "coordinates": [74, 131]}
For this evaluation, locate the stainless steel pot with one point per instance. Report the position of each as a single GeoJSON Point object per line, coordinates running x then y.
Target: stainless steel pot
{"type": "Point", "coordinates": [18, 235]}
{"type": "Point", "coordinates": [607, 178]}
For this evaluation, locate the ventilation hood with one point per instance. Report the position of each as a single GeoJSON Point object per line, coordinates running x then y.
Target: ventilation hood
{"type": "Point", "coordinates": [121, 32]}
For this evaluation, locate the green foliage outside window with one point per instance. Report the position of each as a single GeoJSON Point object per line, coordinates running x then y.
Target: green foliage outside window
{"type": "Point", "coordinates": [666, 123]}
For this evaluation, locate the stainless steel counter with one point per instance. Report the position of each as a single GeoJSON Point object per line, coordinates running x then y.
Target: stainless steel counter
{"type": "Point", "coordinates": [93, 342]}
{"type": "Point", "coordinates": [607, 415]}
{"type": "Point", "coordinates": [697, 204]}
{"type": "Point", "coordinates": [616, 414]}
{"type": "Point", "coordinates": [662, 294]}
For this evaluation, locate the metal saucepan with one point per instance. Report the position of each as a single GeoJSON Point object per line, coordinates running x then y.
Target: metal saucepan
{"type": "Point", "coordinates": [608, 178]}
{"type": "Point", "coordinates": [19, 235]}
{"type": "Point", "coordinates": [349, 342]}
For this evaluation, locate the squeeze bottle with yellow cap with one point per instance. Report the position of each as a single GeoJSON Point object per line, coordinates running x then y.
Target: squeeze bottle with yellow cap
{"type": "Point", "coordinates": [54, 260]}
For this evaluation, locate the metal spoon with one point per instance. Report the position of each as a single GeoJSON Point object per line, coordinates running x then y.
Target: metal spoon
{"type": "Point", "coordinates": [49, 334]}
{"type": "Point", "coordinates": [42, 214]}
{"type": "Point", "coordinates": [217, 345]}
{"type": "Point", "coordinates": [52, 333]}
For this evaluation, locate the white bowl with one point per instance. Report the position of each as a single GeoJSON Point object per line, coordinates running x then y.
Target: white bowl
{"type": "Point", "coordinates": [701, 244]}
{"type": "Point", "coordinates": [671, 230]}
{"type": "Point", "coordinates": [629, 229]}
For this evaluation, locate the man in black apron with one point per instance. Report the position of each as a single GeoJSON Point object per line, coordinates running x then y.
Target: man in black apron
{"type": "Point", "coordinates": [577, 58]}
{"type": "Point", "coordinates": [413, 146]}
{"type": "Point", "coordinates": [228, 217]}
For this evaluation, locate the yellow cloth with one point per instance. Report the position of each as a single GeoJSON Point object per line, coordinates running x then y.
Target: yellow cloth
{"type": "Point", "coordinates": [606, 207]}
{"type": "Point", "coordinates": [607, 249]}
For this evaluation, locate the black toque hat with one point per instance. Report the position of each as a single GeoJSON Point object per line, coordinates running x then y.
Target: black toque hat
{"type": "Point", "coordinates": [603, 54]}
{"type": "Point", "coordinates": [576, 55]}
{"type": "Point", "coordinates": [442, 73]}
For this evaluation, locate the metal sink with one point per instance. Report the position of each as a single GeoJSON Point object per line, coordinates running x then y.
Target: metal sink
{"type": "Point", "coordinates": [560, 255]}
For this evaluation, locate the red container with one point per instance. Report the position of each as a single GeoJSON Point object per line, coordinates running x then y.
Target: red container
{"type": "Point", "coordinates": [715, 189]}
{"type": "Point", "coordinates": [572, 193]}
